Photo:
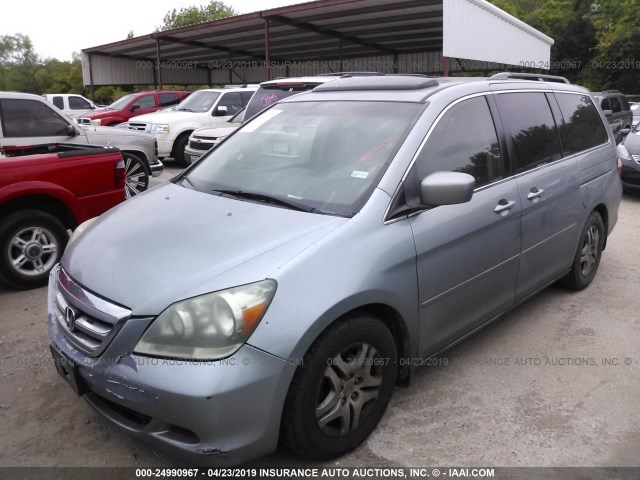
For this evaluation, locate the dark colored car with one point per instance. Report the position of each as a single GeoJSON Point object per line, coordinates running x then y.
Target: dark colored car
{"type": "Point", "coordinates": [617, 110]}
{"type": "Point", "coordinates": [629, 155]}
{"type": "Point", "coordinates": [136, 104]}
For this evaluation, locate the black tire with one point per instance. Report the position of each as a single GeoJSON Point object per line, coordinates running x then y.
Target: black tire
{"type": "Point", "coordinates": [35, 238]}
{"type": "Point", "coordinates": [178, 150]}
{"type": "Point", "coordinates": [136, 174]}
{"type": "Point", "coordinates": [587, 258]}
{"type": "Point", "coordinates": [330, 387]}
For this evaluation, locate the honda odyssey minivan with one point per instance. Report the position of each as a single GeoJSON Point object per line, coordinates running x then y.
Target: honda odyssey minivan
{"type": "Point", "coordinates": [299, 269]}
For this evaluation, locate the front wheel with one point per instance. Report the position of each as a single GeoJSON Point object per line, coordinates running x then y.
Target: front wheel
{"type": "Point", "coordinates": [31, 243]}
{"type": "Point", "coordinates": [136, 174]}
{"type": "Point", "coordinates": [587, 258]}
{"type": "Point", "coordinates": [339, 394]}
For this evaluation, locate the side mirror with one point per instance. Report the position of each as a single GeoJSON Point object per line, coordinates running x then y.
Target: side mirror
{"type": "Point", "coordinates": [625, 131]}
{"type": "Point", "coordinates": [607, 113]}
{"type": "Point", "coordinates": [446, 188]}
{"type": "Point", "coordinates": [134, 107]}
{"type": "Point", "coordinates": [71, 131]}
{"type": "Point", "coordinates": [220, 112]}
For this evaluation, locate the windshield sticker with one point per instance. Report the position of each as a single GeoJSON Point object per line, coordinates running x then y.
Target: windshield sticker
{"type": "Point", "coordinates": [260, 120]}
{"type": "Point", "coordinates": [365, 158]}
{"type": "Point", "coordinates": [267, 100]}
{"type": "Point", "coordinates": [357, 174]}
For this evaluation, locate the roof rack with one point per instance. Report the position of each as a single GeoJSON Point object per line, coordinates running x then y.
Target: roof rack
{"type": "Point", "coordinates": [611, 91]}
{"type": "Point", "coordinates": [350, 74]}
{"type": "Point", "coordinates": [529, 76]}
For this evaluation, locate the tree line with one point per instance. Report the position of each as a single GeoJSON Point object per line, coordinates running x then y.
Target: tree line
{"type": "Point", "coordinates": [597, 44]}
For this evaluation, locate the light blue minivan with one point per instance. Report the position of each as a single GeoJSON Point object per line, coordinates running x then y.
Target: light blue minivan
{"type": "Point", "coordinates": [281, 287]}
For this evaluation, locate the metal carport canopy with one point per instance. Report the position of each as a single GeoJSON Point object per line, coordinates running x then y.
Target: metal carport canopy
{"type": "Point", "coordinates": [405, 36]}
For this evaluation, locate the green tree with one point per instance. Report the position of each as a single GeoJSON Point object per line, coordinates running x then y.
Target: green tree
{"type": "Point", "coordinates": [215, 10]}
{"type": "Point", "coordinates": [18, 64]}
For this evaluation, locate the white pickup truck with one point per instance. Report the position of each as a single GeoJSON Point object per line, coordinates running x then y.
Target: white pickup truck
{"type": "Point", "coordinates": [27, 119]}
{"type": "Point", "coordinates": [203, 108]}
{"type": "Point", "coordinates": [71, 104]}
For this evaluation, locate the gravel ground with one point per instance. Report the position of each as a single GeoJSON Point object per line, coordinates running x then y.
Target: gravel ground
{"type": "Point", "coordinates": [556, 382]}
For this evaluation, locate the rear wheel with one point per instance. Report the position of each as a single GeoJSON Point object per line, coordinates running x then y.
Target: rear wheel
{"type": "Point", "coordinates": [339, 394]}
{"type": "Point", "coordinates": [136, 174]}
{"type": "Point", "coordinates": [587, 258]}
{"type": "Point", "coordinates": [31, 243]}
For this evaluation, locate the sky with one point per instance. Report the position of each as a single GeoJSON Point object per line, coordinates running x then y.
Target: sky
{"type": "Point", "coordinates": [57, 29]}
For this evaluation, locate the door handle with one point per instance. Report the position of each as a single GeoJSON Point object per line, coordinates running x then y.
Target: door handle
{"type": "Point", "coordinates": [535, 193]}
{"type": "Point", "coordinates": [504, 206]}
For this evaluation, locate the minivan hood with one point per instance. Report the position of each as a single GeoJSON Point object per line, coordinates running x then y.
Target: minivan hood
{"type": "Point", "coordinates": [172, 243]}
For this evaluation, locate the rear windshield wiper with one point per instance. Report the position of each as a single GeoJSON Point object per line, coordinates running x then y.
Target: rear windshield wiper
{"type": "Point", "coordinates": [260, 197]}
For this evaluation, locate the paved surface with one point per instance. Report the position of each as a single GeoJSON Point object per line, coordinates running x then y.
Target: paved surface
{"type": "Point", "coordinates": [548, 385]}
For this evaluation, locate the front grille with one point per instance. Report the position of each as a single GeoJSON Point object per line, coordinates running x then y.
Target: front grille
{"type": "Point", "coordinates": [140, 127]}
{"type": "Point", "coordinates": [87, 321]}
{"type": "Point", "coordinates": [636, 158]}
{"type": "Point", "coordinates": [204, 145]}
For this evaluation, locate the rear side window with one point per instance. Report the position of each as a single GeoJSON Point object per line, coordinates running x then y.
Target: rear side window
{"type": "Point", "coordinates": [30, 118]}
{"type": "Point", "coordinates": [582, 127]}
{"type": "Point", "coordinates": [454, 147]}
{"type": "Point", "coordinates": [58, 102]}
{"type": "Point", "coordinates": [167, 99]}
{"type": "Point", "coordinates": [528, 120]}
{"type": "Point", "coordinates": [77, 103]}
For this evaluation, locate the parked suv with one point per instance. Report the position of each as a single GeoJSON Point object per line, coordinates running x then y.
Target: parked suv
{"type": "Point", "coordinates": [203, 108]}
{"type": "Point", "coordinates": [617, 110]}
{"type": "Point", "coordinates": [270, 92]}
{"type": "Point", "coordinates": [330, 243]}
{"type": "Point", "coordinates": [133, 105]}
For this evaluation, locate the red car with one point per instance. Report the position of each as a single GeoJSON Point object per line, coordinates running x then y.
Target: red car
{"type": "Point", "coordinates": [46, 190]}
{"type": "Point", "coordinates": [136, 104]}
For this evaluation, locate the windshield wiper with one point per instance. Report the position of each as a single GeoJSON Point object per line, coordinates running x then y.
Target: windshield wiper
{"type": "Point", "coordinates": [185, 110]}
{"type": "Point", "coordinates": [260, 197]}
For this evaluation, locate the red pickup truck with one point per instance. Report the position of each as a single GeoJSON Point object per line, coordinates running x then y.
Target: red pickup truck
{"type": "Point", "coordinates": [46, 190]}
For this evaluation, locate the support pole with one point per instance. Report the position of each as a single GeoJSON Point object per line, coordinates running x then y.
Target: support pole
{"type": "Point", "coordinates": [445, 61]}
{"type": "Point", "coordinates": [158, 69]}
{"type": "Point", "coordinates": [91, 78]}
{"type": "Point", "coordinates": [267, 54]}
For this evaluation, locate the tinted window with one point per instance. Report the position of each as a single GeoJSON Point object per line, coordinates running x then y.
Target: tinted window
{"type": "Point", "coordinates": [582, 127]}
{"type": "Point", "coordinates": [58, 102]}
{"type": "Point", "coordinates": [167, 99]}
{"type": "Point", "coordinates": [246, 96]}
{"type": "Point", "coordinates": [615, 105]}
{"type": "Point", "coordinates": [233, 102]}
{"type": "Point", "coordinates": [146, 102]}
{"type": "Point", "coordinates": [605, 104]}
{"type": "Point", "coordinates": [77, 103]}
{"type": "Point", "coordinates": [624, 102]}
{"type": "Point", "coordinates": [30, 118]}
{"type": "Point", "coordinates": [464, 140]}
{"type": "Point", "coordinates": [528, 119]}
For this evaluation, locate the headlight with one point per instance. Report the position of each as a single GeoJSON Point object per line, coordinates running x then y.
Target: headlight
{"type": "Point", "coordinates": [161, 128]}
{"type": "Point", "coordinates": [623, 153]}
{"type": "Point", "coordinates": [208, 327]}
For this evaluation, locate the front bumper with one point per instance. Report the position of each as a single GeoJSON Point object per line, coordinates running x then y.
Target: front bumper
{"type": "Point", "coordinates": [192, 155]}
{"type": "Point", "coordinates": [630, 175]}
{"type": "Point", "coordinates": [206, 413]}
{"type": "Point", "coordinates": [156, 168]}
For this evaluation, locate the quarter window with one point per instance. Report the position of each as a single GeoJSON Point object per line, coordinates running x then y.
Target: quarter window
{"type": "Point", "coordinates": [464, 140]}
{"type": "Point", "coordinates": [582, 127]}
{"type": "Point", "coordinates": [529, 122]}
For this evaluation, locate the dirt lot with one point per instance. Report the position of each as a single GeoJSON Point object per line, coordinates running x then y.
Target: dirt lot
{"type": "Point", "coordinates": [554, 383]}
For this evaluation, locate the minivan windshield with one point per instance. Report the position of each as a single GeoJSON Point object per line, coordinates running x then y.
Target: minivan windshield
{"type": "Point", "coordinates": [322, 157]}
{"type": "Point", "coordinates": [199, 102]}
